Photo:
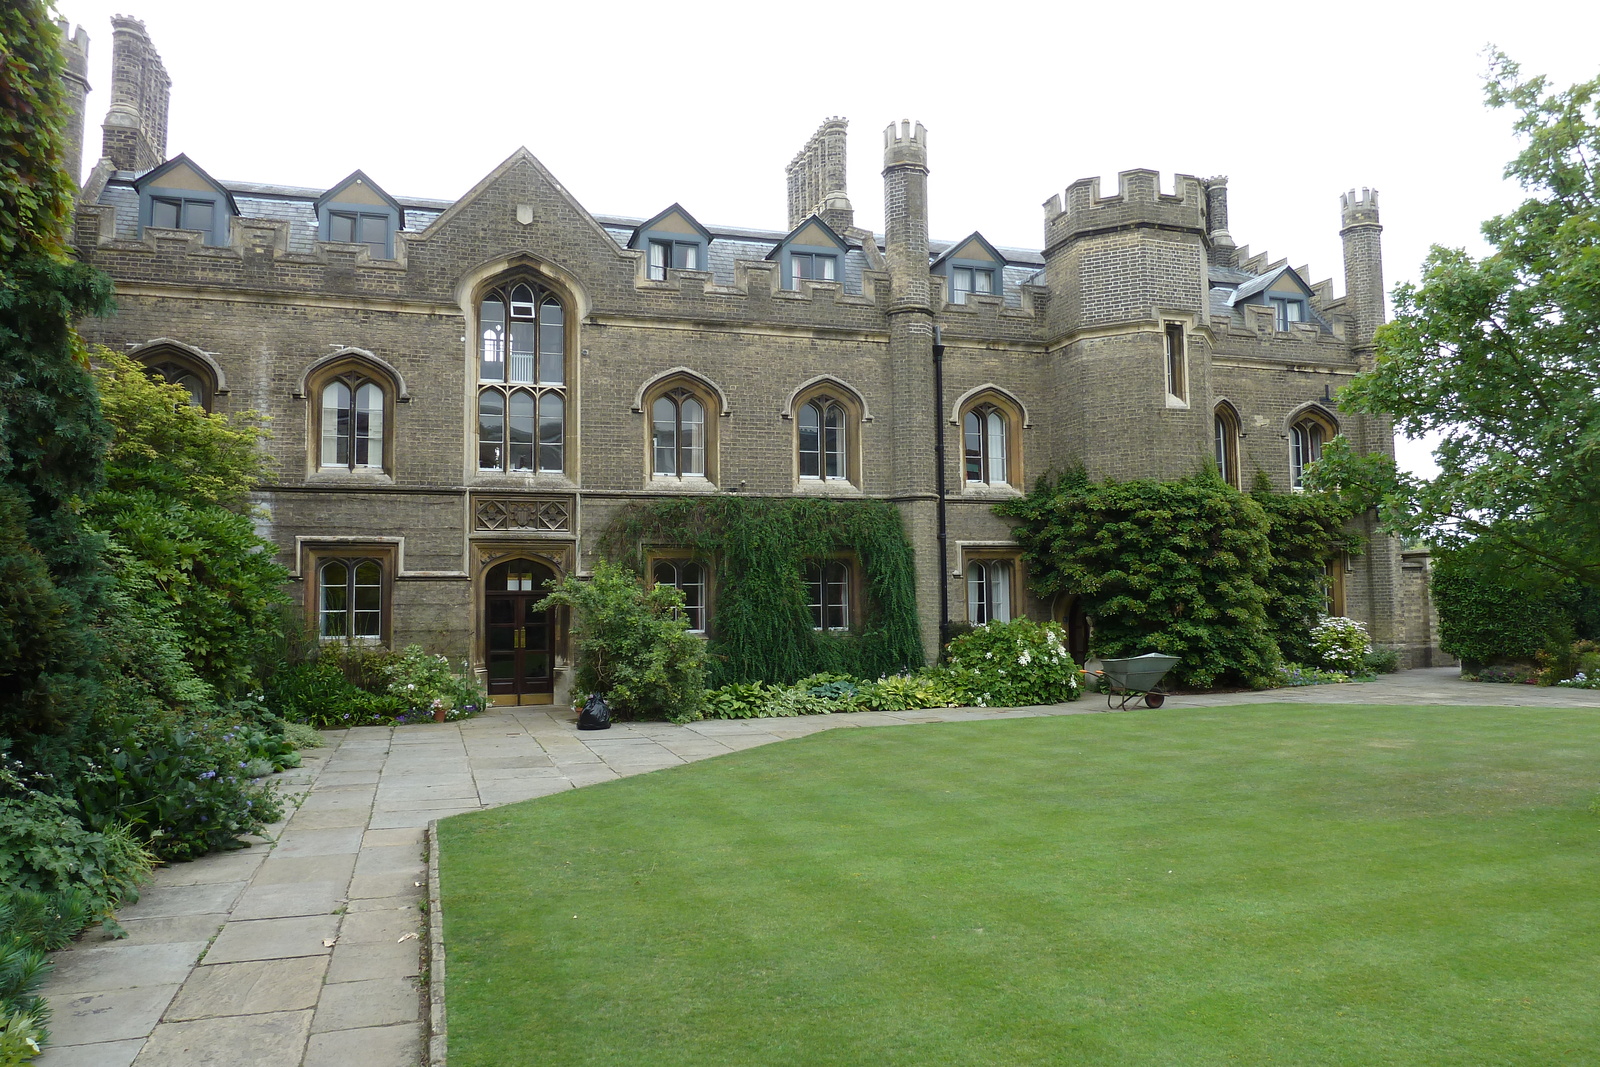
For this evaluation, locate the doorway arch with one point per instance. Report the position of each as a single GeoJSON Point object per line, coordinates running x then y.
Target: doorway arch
{"type": "Point", "coordinates": [519, 639]}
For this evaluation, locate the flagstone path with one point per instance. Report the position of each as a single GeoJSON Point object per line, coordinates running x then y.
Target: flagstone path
{"type": "Point", "coordinates": [302, 951]}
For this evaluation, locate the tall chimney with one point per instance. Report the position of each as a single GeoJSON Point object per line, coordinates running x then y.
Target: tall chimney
{"type": "Point", "coordinates": [817, 179]}
{"type": "Point", "coordinates": [75, 85]}
{"type": "Point", "coordinates": [135, 130]}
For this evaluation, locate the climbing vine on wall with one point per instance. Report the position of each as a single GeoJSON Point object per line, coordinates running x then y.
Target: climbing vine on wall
{"type": "Point", "coordinates": [761, 624]}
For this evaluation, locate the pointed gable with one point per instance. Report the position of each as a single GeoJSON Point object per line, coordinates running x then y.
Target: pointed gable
{"type": "Point", "coordinates": [672, 239]}
{"type": "Point", "coordinates": [974, 248]}
{"type": "Point", "coordinates": [674, 221]}
{"type": "Point", "coordinates": [180, 195]}
{"type": "Point", "coordinates": [357, 188]}
{"type": "Point", "coordinates": [1284, 281]}
{"type": "Point", "coordinates": [358, 211]}
{"type": "Point", "coordinates": [812, 251]}
{"type": "Point", "coordinates": [971, 265]}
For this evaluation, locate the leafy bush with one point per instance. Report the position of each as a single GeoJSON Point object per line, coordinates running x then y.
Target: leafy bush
{"type": "Point", "coordinates": [1492, 614]}
{"type": "Point", "coordinates": [1380, 661]}
{"type": "Point", "coordinates": [1340, 644]}
{"type": "Point", "coordinates": [1304, 530]}
{"type": "Point", "coordinates": [1014, 664]}
{"type": "Point", "coordinates": [1293, 674]}
{"type": "Point", "coordinates": [739, 700]}
{"type": "Point", "coordinates": [1179, 567]}
{"type": "Point", "coordinates": [1512, 673]}
{"type": "Point", "coordinates": [185, 788]}
{"type": "Point", "coordinates": [301, 736]}
{"type": "Point", "coordinates": [633, 645]}
{"type": "Point", "coordinates": [22, 1036]}
{"type": "Point", "coordinates": [426, 683]}
{"type": "Point", "coordinates": [913, 691]}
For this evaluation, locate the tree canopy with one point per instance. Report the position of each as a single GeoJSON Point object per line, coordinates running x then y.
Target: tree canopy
{"type": "Point", "coordinates": [1501, 357]}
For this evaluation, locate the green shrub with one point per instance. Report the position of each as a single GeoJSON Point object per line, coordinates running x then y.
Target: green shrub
{"type": "Point", "coordinates": [302, 736]}
{"type": "Point", "coordinates": [1293, 674]}
{"type": "Point", "coordinates": [1014, 664]}
{"type": "Point", "coordinates": [1380, 661]}
{"type": "Point", "coordinates": [1177, 567]}
{"type": "Point", "coordinates": [184, 788]}
{"type": "Point", "coordinates": [633, 645]}
{"type": "Point", "coordinates": [1491, 614]}
{"type": "Point", "coordinates": [739, 700]}
{"type": "Point", "coordinates": [913, 691]}
{"type": "Point", "coordinates": [22, 1036]}
{"type": "Point", "coordinates": [425, 681]}
{"type": "Point", "coordinates": [1340, 644]}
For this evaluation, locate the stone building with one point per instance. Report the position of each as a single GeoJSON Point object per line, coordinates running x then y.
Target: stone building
{"type": "Point", "coordinates": [464, 392]}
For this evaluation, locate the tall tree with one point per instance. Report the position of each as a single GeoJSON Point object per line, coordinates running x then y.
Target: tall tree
{"type": "Point", "coordinates": [1501, 357]}
{"type": "Point", "coordinates": [52, 436]}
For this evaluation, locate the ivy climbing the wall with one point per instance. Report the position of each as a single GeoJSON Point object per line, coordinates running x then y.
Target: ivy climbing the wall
{"type": "Point", "coordinates": [762, 628]}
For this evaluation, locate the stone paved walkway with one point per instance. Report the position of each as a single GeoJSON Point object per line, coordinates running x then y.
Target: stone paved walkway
{"type": "Point", "coordinates": [298, 952]}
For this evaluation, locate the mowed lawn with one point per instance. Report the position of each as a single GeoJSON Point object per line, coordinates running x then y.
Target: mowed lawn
{"type": "Point", "coordinates": [1270, 884]}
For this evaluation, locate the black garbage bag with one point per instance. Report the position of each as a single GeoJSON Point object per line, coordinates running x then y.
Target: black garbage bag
{"type": "Point", "coordinates": [596, 714]}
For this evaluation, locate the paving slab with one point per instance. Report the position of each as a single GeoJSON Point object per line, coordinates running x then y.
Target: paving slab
{"type": "Point", "coordinates": [374, 1002]}
{"type": "Point", "coordinates": [217, 867]}
{"type": "Point", "coordinates": [89, 968]}
{"type": "Point", "coordinates": [273, 939]}
{"type": "Point", "coordinates": [99, 1054]}
{"type": "Point", "coordinates": [331, 818]}
{"type": "Point", "coordinates": [392, 859]}
{"type": "Point", "coordinates": [274, 1040]}
{"type": "Point", "coordinates": [160, 931]}
{"type": "Point", "coordinates": [332, 842]}
{"type": "Point", "coordinates": [306, 869]}
{"type": "Point", "coordinates": [286, 899]}
{"type": "Point", "coordinates": [387, 924]}
{"type": "Point", "coordinates": [185, 900]}
{"type": "Point", "coordinates": [375, 959]}
{"type": "Point", "coordinates": [107, 1014]}
{"type": "Point", "coordinates": [253, 988]}
{"type": "Point", "coordinates": [399, 1045]}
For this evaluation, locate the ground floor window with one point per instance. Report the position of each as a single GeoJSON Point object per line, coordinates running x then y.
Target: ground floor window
{"type": "Point", "coordinates": [350, 599]}
{"type": "Point", "coordinates": [989, 591]}
{"type": "Point", "coordinates": [828, 589]}
{"type": "Point", "coordinates": [691, 578]}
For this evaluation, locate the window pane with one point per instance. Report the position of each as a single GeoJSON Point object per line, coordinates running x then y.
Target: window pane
{"type": "Point", "coordinates": [664, 413]}
{"type": "Point", "coordinates": [491, 429]}
{"type": "Point", "coordinates": [336, 425]}
{"type": "Point", "coordinates": [341, 227]}
{"type": "Point", "coordinates": [164, 213]}
{"type": "Point", "coordinates": [552, 344]}
{"type": "Point", "coordinates": [522, 302]}
{"type": "Point", "coordinates": [686, 256]}
{"type": "Point", "coordinates": [196, 388]}
{"type": "Point", "coordinates": [1000, 591]}
{"type": "Point", "coordinates": [810, 442]}
{"type": "Point", "coordinates": [977, 594]}
{"type": "Point", "coordinates": [1221, 430]}
{"type": "Point", "coordinates": [521, 366]}
{"type": "Point", "coordinates": [693, 442]}
{"type": "Point", "coordinates": [983, 281]}
{"type": "Point", "coordinates": [960, 284]}
{"type": "Point", "coordinates": [375, 232]}
{"type": "Point", "coordinates": [197, 215]}
{"type": "Point", "coordinates": [492, 320]}
{"type": "Point", "coordinates": [367, 605]}
{"type": "Point", "coordinates": [369, 426]}
{"type": "Point", "coordinates": [800, 265]}
{"type": "Point", "coordinates": [825, 268]}
{"type": "Point", "coordinates": [972, 430]}
{"type": "Point", "coordinates": [813, 580]}
{"type": "Point", "coordinates": [692, 582]}
{"type": "Point", "coordinates": [552, 430]}
{"type": "Point", "coordinates": [997, 449]}
{"type": "Point", "coordinates": [665, 572]}
{"type": "Point", "coordinates": [519, 431]}
{"type": "Point", "coordinates": [833, 442]}
{"type": "Point", "coordinates": [836, 591]}
{"type": "Point", "coordinates": [333, 600]}
{"type": "Point", "coordinates": [658, 260]}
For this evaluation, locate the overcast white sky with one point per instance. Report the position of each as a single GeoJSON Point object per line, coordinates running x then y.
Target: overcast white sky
{"type": "Point", "coordinates": [634, 106]}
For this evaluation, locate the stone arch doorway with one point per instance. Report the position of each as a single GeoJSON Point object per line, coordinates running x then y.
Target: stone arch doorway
{"type": "Point", "coordinates": [1069, 613]}
{"type": "Point", "coordinates": [519, 639]}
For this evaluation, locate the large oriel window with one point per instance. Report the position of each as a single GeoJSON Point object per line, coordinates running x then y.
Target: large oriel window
{"type": "Point", "coordinates": [350, 599]}
{"type": "Point", "coordinates": [823, 425]}
{"type": "Point", "coordinates": [352, 423]}
{"type": "Point", "coordinates": [522, 374]}
{"type": "Point", "coordinates": [678, 435]}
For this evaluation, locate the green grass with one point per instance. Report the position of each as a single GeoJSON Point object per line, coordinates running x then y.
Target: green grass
{"type": "Point", "coordinates": [1273, 884]}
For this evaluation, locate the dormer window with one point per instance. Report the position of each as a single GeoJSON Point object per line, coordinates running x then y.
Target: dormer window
{"type": "Point", "coordinates": [354, 227]}
{"type": "Point", "coordinates": [673, 240]}
{"type": "Point", "coordinates": [965, 280]}
{"type": "Point", "coordinates": [183, 213]}
{"type": "Point", "coordinates": [358, 212]}
{"type": "Point", "coordinates": [178, 195]}
{"type": "Point", "coordinates": [681, 255]}
{"type": "Point", "coordinates": [814, 266]}
{"type": "Point", "coordinates": [970, 267]}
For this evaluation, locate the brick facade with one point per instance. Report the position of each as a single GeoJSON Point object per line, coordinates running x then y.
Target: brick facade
{"type": "Point", "coordinates": [1073, 340]}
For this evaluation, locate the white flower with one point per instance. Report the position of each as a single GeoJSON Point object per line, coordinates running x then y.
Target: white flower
{"type": "Point", "coordinates": [1025, 658]}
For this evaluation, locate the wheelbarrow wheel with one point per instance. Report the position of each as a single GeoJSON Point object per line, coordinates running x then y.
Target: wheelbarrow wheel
{"type": "Point", "coordinates": [1154, 700]}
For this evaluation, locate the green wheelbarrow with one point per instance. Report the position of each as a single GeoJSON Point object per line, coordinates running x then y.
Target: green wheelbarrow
{"type": "Point", "coordinates": [1135, 678]}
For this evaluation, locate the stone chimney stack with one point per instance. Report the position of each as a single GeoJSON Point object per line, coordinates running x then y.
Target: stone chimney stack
{"type": "Point", "coordinates": [135, 130]}
{"type": "Point", "coordinates": [1363, 263]}
{"type": "Point", "coordinates": [75, 82]}
{"type": "Point", "coordinates": [905, 212]}
{"type": "Point", "coordinates": [1220, 249]}
{"type": "Point", "coordinates": [817, 179]}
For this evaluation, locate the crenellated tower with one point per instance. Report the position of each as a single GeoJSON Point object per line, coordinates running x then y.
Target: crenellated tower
{"type": "Point", "coordinates": [75, 82]}
{"type": "Point", "coordinates": [135, 128]}
{"type": "Point", "coordinates": [817, 179]}
{"type": "Point", "coordinates": [1363, 266]}
{"type": "Point", "coordinates": [1127, 324]}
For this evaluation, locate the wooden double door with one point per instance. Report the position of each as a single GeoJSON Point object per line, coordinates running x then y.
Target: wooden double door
{"type": "Point", "coordinates": [519, 639]}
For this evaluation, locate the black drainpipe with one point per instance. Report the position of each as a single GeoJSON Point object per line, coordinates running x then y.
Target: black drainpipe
{"type": "Point", "coordinates": [938, 459]}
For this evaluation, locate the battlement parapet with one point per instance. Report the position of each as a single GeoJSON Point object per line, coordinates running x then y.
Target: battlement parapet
{"type": "Point", "coordinates": [1358, 210]}
{"type": "Point", "coordinates": [75, 48]}
{"type": "Point", "coordinates": [1138, 202]}
{"type": "Point", "coordinates": [905, 146]}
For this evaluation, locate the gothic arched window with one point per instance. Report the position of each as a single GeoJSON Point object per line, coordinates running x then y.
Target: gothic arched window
{"type": "Point", "coordinates": [522, 374]}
